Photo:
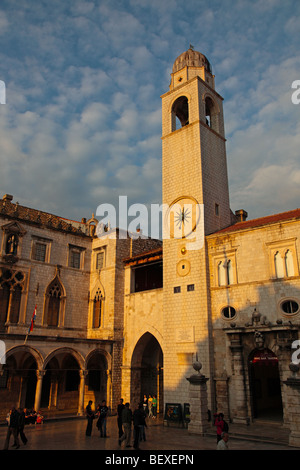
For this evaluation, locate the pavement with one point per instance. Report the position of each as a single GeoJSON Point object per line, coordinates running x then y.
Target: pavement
{"type": "Point", "coordinates": [69, 434]}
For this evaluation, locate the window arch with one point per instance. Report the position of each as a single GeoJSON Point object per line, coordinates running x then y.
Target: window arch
{"type": "Point", "coordinates": [180, 113]}
{"type": "Point", "coordinates": [289, 263]}
{"type": "Point", "coordinates": [212, 114]}
{"type": "Point", "coordinates": [11, 289]}
{"type": "Point", "coordinates": [279, 269]}
{"type": "Point", "coordinates": [54, 307]}
{"type": "Point", "coordinates": [225, 273]}
{"type": "Point", "coordinates": [4, 302]}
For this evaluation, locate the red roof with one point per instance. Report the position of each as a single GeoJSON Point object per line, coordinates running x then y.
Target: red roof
{"type": "Point", "coordinates": [270, 219]}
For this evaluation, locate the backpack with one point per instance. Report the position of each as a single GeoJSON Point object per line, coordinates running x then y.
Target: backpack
{"type": "Point", "coordinates": [226, 427]}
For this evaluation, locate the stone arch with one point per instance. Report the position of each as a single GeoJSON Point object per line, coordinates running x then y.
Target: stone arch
{"type": "Point", "coordinates": [212, 112]}
{"type": "Point", "coordinates": [265, 387]}
{"type": "Point", "coordinates": [98, 365]}
{"type": "Point", "coordinates": [147, 370]}
{"type": "Point", "coordinates": [180, 112]}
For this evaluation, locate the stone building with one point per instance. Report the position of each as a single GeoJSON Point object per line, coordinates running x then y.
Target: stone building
{"type": "Point", "coordinates": [127, 316]}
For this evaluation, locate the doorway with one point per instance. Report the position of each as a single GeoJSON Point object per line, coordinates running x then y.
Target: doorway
{"type": "Point", "coordinates": [147, 370]}
{"type": "Point", "coordinates": [265, 385]}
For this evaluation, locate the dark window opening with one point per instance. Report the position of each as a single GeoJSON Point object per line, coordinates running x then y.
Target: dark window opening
{"type": "Point", "coordinates": [191, 287]}
{"type": "Point", "coordinates": [148, 277]}
{"type": "Point", "coordinates": [177, 290]}
{"type": "Point", "coordinates": [180, 113]}
{"type": "Point", "coordinates": [289, 306]}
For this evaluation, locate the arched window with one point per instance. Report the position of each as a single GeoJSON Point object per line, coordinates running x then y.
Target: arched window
{"type": "Point", "coordinates": [54, 303]}
{"type": "Point", "coordinates": [229, 272]}
{"type": "Point", "coordinates": [278, 265]}
{"type": "Point", "coordinates": [97, 312]}
{"type": "Point", "coordinates": [211, 114]}
{"type": "Point", "coordinates": [180, 113]}
{"type": "Point", "coordinates": [289, 264]}
{"type": "Point", "coordinates": [15, 304]}
{"type": "Point", "coordinates": [221, 274]}
{"type": "Point", "coordinates": [4, 302]}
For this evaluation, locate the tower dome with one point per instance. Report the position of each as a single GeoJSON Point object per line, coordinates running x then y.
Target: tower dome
{"type": "Point", "coordinates": [191, 58]}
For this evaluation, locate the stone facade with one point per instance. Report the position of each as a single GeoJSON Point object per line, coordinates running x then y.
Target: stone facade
{"type": "Point", "coordinates": [121, 316]}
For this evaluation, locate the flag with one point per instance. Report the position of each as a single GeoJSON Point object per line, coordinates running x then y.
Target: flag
{"type": "Point", "coordinates": [32, 321]}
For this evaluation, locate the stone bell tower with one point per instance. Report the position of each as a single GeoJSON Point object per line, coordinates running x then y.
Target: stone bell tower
{"type": "Point", "coordinates": [195, 184]}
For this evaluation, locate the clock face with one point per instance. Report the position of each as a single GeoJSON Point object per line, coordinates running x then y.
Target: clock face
{"type": "Point", "coordinates": [182, 217]}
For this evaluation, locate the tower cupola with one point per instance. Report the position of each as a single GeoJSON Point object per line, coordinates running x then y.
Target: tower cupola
{"type": "Point", "coordinates": [189, 64]}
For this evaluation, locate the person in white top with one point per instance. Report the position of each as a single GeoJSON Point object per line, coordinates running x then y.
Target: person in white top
{"type": "Point", "coordinates": [222, 444]}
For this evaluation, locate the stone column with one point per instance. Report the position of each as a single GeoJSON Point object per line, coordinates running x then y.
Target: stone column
{"type": "Point", "coordinates": [38, 391]}
{"type": "Point", "coordinates": [198, 402]}
{"type": "Point", "coordinates": [293, 405]}
{"type": "Point", "coordinates": [239, 409]}
{"type": "Point", "coordinates": [82, 374]}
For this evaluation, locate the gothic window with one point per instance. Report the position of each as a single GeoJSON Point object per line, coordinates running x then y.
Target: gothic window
{"type": "Point", "coordinates": [180, 113]}
{"type": "Point", "coordinates": [4, 302]}
{"type": "Point", "coordinates": [54, 303]}
{"type": "Point", "coordinates": [11, 288]}
{"type": "Point", "coordinates": [15, 304]}
{"type": "Point", "coordinates": [97, 311]}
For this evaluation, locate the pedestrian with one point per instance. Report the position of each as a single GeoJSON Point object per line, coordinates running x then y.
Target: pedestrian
{"type": "Point", "coordinates": [142, 426]}
{"type": "Point", "coordinates": [219, 423]}
{"type": "Point", "coordinates": [126, 423]}
{"type": "Point", "coordinates": [138, 421]}
{"type": "Point", "coordinates": [223, 442]}
{"type": "Point", "coordinates": [154, 406]}
{"type": "Point", "coordinates": [145, 404]}
{"type": "Point", "coordinates": [21, 426]}
{"type": "Point", "coordinates": [120, 408]}
{"type": "Point", "coordinates": [12, 429]}
{"type": "Point", "coordinates": [90, 417]}
{"type": "Point", "coordinates": [150, 399]}
{"type": "Point", "coordinates": [101, 423]}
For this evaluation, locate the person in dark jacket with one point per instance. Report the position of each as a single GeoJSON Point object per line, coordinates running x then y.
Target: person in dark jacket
{"type": "Point", "coordinates": [13, 427]}
{"type": "Point", "coordinates": [90, 416]}
{"type": "Point", "coordinates": [138, 422]}
{"type": "Point", "coordinates": [126, 423]}
{"type": "Point", "coordinates": [21, 426]}
{"type": "Point", "coordinates": [121, 407]}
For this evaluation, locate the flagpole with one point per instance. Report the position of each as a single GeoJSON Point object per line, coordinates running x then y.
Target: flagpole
{"type": "Point", "coordinates": [31, 324]}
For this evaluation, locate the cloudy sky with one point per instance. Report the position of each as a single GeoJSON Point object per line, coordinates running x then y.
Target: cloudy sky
{"type": "Point", "coordinates": [82, 119]}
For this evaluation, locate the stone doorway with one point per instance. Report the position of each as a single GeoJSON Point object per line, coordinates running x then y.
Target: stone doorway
{"type": "Point", "coordinates": [147, 371]}
{"type": "Point", "coordinates": [265, 388]}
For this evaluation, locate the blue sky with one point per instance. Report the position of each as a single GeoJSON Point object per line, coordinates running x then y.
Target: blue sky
{"type": "Point", "coordinates": [82, 119]}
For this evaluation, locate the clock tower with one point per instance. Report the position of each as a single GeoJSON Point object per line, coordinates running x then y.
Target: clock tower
{"type": "Point", "coordinates": [195, 190]}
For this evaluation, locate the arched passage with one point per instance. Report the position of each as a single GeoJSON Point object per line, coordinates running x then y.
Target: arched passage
{"type": "Point", "coordinates": [265, 384]}
{"type": "Point", "coordinates": [147, 370]}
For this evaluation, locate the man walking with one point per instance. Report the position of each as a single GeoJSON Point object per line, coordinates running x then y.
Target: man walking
{"type": "Point", "coordinates": [126, 421]}
{"type": "Point", "coordinates": [13, 428]}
